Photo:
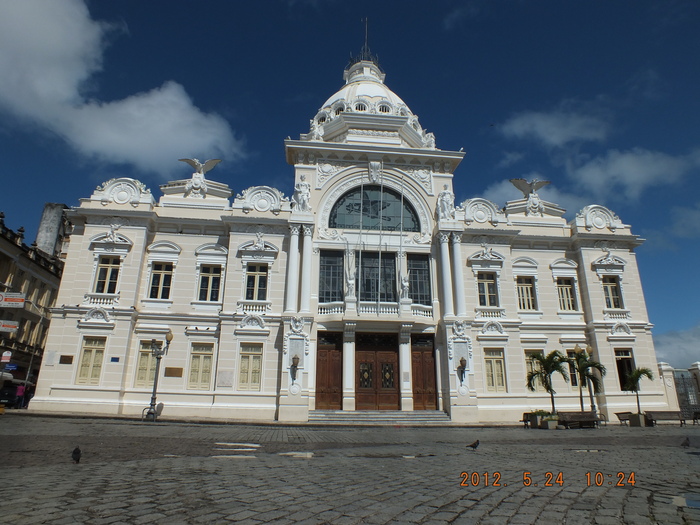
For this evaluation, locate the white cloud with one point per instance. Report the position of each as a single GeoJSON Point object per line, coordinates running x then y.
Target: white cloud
{"type": "Point", "coordinates": [454, 18]}
{"type": "Point", "coordinates": [510, 158]}
{"type": "Point", "coordinates": [629, 173]}
{"type": "Point", "coordinates": [680, 349]}
{"type": "Point", "coordinates": [686, 221]}
{"type": "Point", "coordinates": [555, 129]}
{"type": "Point", "coordinates": [50, 50]}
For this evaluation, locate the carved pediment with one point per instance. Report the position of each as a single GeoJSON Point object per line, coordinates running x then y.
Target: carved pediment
{"type": "Point", "coordinates": [481, 211]}
{"type": "Point", "coordinates": [599, 218]}
{"type": "Point", "coordinates": [261, 199]}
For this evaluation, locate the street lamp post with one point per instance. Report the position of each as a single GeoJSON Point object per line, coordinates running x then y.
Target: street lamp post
{"type": "Point", "coordinates": [158, 352]}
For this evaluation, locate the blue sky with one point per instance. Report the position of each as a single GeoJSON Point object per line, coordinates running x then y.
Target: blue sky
{"type": "Point", "coordinates": [600, 97]}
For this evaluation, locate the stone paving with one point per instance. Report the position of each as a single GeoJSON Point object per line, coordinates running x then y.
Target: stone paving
{"type": "Point", "coordinates": [178, 472]}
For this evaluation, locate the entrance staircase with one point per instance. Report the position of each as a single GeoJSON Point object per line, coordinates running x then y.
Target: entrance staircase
{"type": "Point", "coordinates": [417, 418]}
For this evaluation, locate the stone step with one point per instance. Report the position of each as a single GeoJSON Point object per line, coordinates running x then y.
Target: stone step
{"type": "Point", "coordinates": [379, 417]}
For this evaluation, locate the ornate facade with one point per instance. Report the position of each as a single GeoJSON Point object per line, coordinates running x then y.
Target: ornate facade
{"type": "Point", "coordinates": [367, 289]}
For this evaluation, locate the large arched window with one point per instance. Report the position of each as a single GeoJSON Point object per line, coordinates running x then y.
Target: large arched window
{"type": "Point", "coordinates": [374, 208]}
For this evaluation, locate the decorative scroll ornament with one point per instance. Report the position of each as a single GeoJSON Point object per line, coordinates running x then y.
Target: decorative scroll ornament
{"type": "Point", "coordinates": [620, 328]}
{"type": "Point", "coordinates": [598, 217]}
{"type": "Point", "coordinates": [252, 322]}
{"type": "Point", "coordinates": [481, 211]}
{"type": "Point", "coordinates": [375, 171]}
{"type": "Point", "coordinates": [493, 328]}
{"type": "Point", "coordinates": [122, 191]}
{"type": "Point", "coordinates": [262, 199]}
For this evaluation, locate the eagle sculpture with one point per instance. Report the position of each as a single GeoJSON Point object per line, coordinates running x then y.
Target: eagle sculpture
{"type": "Point", "coordinates": [199, 167]}
{"type": "Point", "coordinates": [529, 188]}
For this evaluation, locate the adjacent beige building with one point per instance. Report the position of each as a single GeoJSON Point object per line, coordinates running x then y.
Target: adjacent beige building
{"type": "Point", "coordinates": [368, 289]}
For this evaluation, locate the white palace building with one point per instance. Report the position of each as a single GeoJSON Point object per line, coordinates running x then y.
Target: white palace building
{"type": "Point", "coordinates": [369, 289]}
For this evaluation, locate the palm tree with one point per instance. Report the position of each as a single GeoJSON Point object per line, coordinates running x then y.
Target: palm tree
{"type": "Point", "coordinates": [584, 366]}
{"type": "Point", "coordinates": [543, 368]}
{"type": "Point", "coordinates": [633, 379]}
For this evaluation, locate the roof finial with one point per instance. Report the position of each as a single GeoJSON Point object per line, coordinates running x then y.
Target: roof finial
{"type": "Point", "coordinates": [366, 33]}
{"type": "Point", "coordinates": [365, 53]}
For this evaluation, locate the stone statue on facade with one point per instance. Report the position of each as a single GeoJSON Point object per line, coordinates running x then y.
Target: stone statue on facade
{"type": "Point", "coordinates": [529, 189]}
{"type": "Point", "coordinates": [197, 187]}
{"type": "Point", "coordinates": [302, 195]}
{"type": "Point", "coordinates": [404, 287]}
{"type": "Point", "coordinates": [446, 204]}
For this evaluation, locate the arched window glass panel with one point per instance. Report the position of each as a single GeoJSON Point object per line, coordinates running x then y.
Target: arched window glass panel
{"type": "Point", "coordinates": [371, 208]}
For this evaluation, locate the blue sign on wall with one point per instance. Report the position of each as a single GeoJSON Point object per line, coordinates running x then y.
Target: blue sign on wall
{"type": "Point", "coordinates": [10, 366]}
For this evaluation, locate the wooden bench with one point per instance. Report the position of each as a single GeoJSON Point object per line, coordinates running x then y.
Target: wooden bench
{"type": "Point", "coordinates": [624, 417]}
{"type": "Point", "coordinates": [579, 419]}
{"type": "Point", "coordinates": [663, 415]}
{"type": "Point", "coordinates": [525, 420]}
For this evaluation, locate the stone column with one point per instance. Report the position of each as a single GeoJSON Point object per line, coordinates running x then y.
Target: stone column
{"type": "Point", "coordinates": [306, 269]}
{"type": "Point", "coordinates": [349, 366]}
{"type": "Point", "coordinates": [446, 275]}
{"type": "Point", "coordinates": [460, 300]}
{"type": "Point", "coordinates": [405, 367]}
{"type": "Point", "coordinates": [290, 304]}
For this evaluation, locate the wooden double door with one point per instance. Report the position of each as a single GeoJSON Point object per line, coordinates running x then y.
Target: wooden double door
{"type": "Point", "coordinates": [377, 373]}
{"type": "Point", "coordinates": [423, 368]}
{"type": "Point", "coordinates": [329, 371]}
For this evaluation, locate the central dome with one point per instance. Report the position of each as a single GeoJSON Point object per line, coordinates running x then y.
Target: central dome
{"type": "Point", "coordinates": [364, 82]}
{"type": "Point", "coordinates": [366, 103]}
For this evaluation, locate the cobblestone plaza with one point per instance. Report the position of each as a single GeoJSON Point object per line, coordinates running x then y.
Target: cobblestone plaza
{"type": "Point", "coordinates": [185, 472]}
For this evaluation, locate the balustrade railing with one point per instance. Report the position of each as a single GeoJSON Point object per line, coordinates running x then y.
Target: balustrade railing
{"type": "Point", "coordinates": [253, 307]}
{"type": "Point", "coordinates": [336, 307]}
{"type": "Point", "coordinates": [102, 299]}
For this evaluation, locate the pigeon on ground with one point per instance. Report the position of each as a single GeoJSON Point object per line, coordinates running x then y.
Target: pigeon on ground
{"type": "Point", "coordinates": [76, 455]}
{"type": "Point", "coordinates": [686, 443]}
{"type": "Point", "coordinates": [473, 445]}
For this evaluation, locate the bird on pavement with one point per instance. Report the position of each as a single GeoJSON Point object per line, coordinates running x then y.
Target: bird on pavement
{"type": "Point", "coordinates": [76, 455]}
{"type": "Point", "coordinates": [686, 443]}
{"type": "Point", "coordinates": [473, 445]}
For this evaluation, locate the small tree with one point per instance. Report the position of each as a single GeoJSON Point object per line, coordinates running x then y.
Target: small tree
{"type": "Point", "coordinates": [543, 368]}
{"type": "Point", "coordinates": [632, 382]}
{"type": "Point", "coordinates": [584, 367]}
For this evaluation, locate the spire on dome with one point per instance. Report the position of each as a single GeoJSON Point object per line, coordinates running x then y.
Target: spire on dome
{"type": "Point", "coordinates": [365, 53]}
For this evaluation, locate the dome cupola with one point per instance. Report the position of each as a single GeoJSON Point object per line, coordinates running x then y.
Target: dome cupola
{"type": "Point", "coordinates": [366, 111]}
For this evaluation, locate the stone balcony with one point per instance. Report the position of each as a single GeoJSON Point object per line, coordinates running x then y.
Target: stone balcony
{"type": "Point", "coordinates": [253, 307]}
{"type": "Point", "coordinates": [101, 299]}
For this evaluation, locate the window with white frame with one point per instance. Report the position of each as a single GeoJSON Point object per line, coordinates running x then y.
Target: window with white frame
{"type": "Point", "coordinates": [419, 278]}
{"type": "Point", "coordinates": [533, 366]}
{"type": "Point", "coordinates": [526, 293]}
{"type": "Point", "coordinates": [256, 282]}
{"type": "Point", "coordinates": [331, 276]}
{"type": "Point", "coordinates": [495, 370]}
{"type": "Point", "coordinates": [250, 375]}
{"type": "Point", "coordinates": [624, 362]}
{"type": "Point", "coordinates": [211, 270]}
{"type": "Point", "coordinates": [161, 280]}
{"type": "Point", "coordinates": [572, 369]}
{"type": "Point", "coordinates": [488, 289]}
{"type": "Point", "coordinates": [146, 365]}
{"type": "Point", "coordinates": [201, 359]}
{"type": "Point", "coordinates": [612, 292]}
{"type": "Point", "coordinates": [91, 357]}
{"type": "Point", "coordinates": [107, 274]}
{"type": "Point", "coordinates": [566, 293]}
{"type": "Point", "coordinates": [376, 275]}
{"type": "Point", "coordinates": [209, 282]}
